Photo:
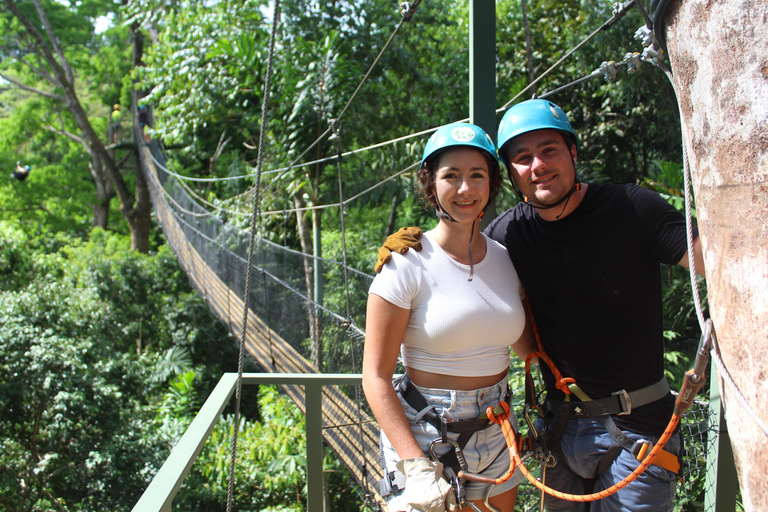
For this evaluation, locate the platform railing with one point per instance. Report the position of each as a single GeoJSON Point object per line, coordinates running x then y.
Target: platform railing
{"type": "Point", "coordinates": [159, 495]}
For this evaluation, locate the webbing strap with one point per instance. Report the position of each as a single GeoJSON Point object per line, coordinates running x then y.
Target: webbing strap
{"type": "Point", "coordinates": [621, 402]}
{"type": "Point", "coordinates": [465, 428]}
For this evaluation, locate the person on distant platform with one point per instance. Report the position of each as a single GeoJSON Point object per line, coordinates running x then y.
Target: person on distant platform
{"type": "Point", "coordinates": [20, 173]}
{"type": "Point", "coordinates": [144, 122]}
{"type": "Point", "coordinates": [451, 312]}
{"type": "Point", "coordinates": [115, 123]}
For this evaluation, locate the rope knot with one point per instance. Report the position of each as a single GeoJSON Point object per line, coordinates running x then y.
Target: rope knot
{"type": "Point", "coordinates": [562, 384]}
{"type": "Point", "coordinates": [501, 418]}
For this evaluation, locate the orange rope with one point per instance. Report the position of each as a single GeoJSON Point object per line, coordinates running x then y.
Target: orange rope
{"type": "Point", "coordinates": [691, 386]}
{"type": "Point", "coordinates": [516, 461]}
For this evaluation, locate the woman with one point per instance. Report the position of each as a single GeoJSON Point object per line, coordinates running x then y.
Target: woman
{"type": "Point", "coordinates": [451, 310]}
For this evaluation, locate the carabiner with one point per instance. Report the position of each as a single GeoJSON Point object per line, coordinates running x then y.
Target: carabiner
{"type": "Point", "coordinates": [702, 356]}
{"type": "Point", "coordinates": [457, 484]}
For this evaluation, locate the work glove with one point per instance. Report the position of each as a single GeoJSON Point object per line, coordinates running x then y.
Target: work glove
{"type": "Point", "coordinates": [425, 488]}
{"type": "Point", "coordinates": [404, 239]}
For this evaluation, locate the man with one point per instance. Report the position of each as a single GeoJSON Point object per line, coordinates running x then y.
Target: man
{"type": "Point", "coordinates": [21, 173]}
{"type": "Point", "coordinates": [588, 256]}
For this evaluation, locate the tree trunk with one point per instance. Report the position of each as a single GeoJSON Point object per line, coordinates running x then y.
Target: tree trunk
{"type": "Point", "coordinates": [143, 211]}
{"type": "Point", "coordinates": [305, 236]}
{"type": "Point", "coordinates": [719, 58]}
{"type": "Point", "coordinates": [104, 194]}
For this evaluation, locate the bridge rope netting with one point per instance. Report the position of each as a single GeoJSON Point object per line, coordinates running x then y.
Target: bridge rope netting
{"type": "Point", "coordinates": [284, 328]}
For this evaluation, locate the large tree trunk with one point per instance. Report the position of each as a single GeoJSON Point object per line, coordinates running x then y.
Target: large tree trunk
{"type": "Point", "coordinates": [719, 57]}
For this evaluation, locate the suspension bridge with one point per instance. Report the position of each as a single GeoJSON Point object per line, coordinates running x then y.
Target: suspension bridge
{"type": "Point", "coordinates": [215, 255]}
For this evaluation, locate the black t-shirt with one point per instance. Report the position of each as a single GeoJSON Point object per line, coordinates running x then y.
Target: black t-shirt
{"type": "Point", "coordinates": [594, 284]}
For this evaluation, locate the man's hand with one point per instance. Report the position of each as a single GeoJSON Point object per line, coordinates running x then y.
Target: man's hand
{"type": "Point", "coordinates": [404, 239]}
{"type": "Point", "coordinates": [425, 488]}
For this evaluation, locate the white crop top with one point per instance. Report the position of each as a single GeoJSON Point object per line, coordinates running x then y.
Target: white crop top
{"type": "Point", "coordinates": [457, 327]}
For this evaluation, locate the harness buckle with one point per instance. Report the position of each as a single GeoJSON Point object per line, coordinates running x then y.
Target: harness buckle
{"type": "Point", "coordinates": [624, 401]}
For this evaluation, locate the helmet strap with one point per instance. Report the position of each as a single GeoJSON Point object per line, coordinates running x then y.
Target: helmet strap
{"type": "Point", "coordinates": [471, 237]}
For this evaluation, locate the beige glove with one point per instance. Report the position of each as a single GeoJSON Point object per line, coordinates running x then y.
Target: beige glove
{"type": "Point", "coordinates": [425, 488]}
{"type": "Point", "coordinates": [404, 239]}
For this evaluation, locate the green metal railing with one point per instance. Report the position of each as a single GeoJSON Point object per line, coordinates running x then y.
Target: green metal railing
{"type": "Point", "coordinates": [158, 497]}
{"type": "Point", "coordinates": [722, 486]}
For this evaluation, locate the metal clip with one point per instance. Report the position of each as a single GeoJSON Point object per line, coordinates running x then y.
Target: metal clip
{"type": "Point", "coordinates": [633, 61]}
{"type": "Point", "coordinates": [702, 356]}
{"type": "Point", "coordinates": [609, 70]}
{"type": "Point", "coordinates": [624, 400]}
{"type": "Point", "coordinates": [645, 35]}
{"type": "Point", "coordinates": [407, 10]}
{"type": "Point", "coordinates": [456, 483]}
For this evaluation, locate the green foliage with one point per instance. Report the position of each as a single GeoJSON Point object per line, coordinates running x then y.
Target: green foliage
{"type": "Point", "coordinates": [72, 419]}
{"type": "Point", "coordinates": [270, 466]}
{"type": "Point", "coordinates": [91, 332]}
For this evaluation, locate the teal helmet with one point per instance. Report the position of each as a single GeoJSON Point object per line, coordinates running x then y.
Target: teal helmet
{"type": "Point", "coordinates": [27, 167]}
{"type": "Point", "coordinates": [459, 134]}
{"type": "Point", "coordinates": [529, 116]}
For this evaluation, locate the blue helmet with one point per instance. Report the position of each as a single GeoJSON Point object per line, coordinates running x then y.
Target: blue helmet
{"type": "Point", "coordinates": [26, 167]}
{"type": "Point", "coordinates": [529, 116]}
{"type": "Point", "coordinates": [460, 134]}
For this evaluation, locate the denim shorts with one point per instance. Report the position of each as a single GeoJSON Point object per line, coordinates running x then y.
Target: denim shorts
{"type": "Point", "coordinates": [584, 442]}
{"type": "Point", "coordinates": [486, 451]}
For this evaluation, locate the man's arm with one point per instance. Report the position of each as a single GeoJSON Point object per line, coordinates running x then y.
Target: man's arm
{"type": "Point", "coordinates": [698, 257]}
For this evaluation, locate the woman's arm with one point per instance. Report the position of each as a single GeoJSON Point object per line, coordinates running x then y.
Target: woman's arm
{"type": "Point", "coordinates": [385, 326]}
{"type": "Point", "coordinates": [526, 343]}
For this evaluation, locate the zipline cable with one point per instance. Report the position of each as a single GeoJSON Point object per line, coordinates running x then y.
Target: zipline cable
{"type": "Point", "coordinates": [404, 19]}
{"type": "Point", "coordinates": [251, 250]}
{"type": "Point", "coordinates": [618, 13]}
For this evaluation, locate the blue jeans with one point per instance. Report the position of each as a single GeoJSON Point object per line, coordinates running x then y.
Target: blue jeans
{"type": "Point", "coordinates": [583, 443]}
{"type": "Point", "coordinates": [486, 451]}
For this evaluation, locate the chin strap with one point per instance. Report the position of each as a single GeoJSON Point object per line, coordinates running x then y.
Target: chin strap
{"type": "Point", "coordinates": [471, 236]}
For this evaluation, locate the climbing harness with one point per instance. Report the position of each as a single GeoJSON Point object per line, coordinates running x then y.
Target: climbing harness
{"type": "Point", "coordinates": [454, 464]}
{"type": "Point", "coordinates": [621, 402]}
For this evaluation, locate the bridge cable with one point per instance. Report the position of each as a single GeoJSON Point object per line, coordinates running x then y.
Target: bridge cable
{"type": "Point", "coordinates": [619, 11]}
{"type": "Point", "coordinates": [247, 290]}
{"type": "Point", "coordinates": [406, 16]}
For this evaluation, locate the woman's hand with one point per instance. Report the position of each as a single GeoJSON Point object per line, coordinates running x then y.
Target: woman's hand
{"type": "Point", "coordinates": [425, 488]}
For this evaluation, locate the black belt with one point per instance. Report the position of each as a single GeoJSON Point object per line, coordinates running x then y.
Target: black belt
{"type": "Point", "coordinates": [620, 403]}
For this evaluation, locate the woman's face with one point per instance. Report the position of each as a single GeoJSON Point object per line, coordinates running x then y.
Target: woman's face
{"type": "Point", "coordinates": [462, 183]}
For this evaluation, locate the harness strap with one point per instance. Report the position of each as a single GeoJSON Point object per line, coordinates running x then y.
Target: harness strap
{"type": "Point", "coordinates": [620, 402]}
{"type": "Point", "coordinates": [465, 428]}
{"type": "Point", "coordinates": [395, 481]}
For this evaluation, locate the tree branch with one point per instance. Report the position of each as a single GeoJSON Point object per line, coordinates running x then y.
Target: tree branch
{"type": "Point", "coordinates": [36, 35]}
{"type": "Point", "coordinates": [31, 89]}
{"type": "Point", "coordinates": [69, 135]}
{"type": "Point", "coordinates": [54, 41]}
{"type": "Point", "coordinates": [39, 71]}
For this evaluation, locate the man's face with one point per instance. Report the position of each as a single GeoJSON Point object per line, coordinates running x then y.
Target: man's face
{"type": "Point", "coordinates": [541, 164]}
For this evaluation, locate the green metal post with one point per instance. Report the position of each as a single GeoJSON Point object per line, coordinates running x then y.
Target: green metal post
{"type": "Point", "coordinates": [721, 484]}
{"type": "Point", "coordinates": [482, 73]}
{"type": "Point", "coordinates": [314, 425]}
{"type": "Point", "coordinates": [482, 64]}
